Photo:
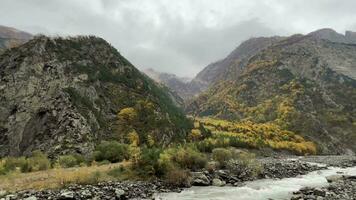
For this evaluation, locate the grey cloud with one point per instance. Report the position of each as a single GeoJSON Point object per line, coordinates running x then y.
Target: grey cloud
{"type": "Point", "coordinates": [177, 36]}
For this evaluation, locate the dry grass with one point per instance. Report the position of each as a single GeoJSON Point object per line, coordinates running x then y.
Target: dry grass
{"type": "Point", "coordinates": [56, 178]}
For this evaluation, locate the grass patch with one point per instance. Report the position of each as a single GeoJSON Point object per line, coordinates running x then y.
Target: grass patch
{"type": "Point", "coordinates": [57, 177]}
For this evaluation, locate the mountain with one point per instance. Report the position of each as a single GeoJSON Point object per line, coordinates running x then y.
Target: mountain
{"type": "Point", "coordinates": [232, 65]}
{"type": "Point", "coordinates": [303, 83]}
{"type": "Point", "coordinates": [178, 85]}
{"type": "Point", "coordinates": [229, 67]}
{"type": "Point", "coordinates": [11, 37]}
{"type": "Point", "coordinates": [333, 36]}
{"type": "Point", "coordinates": [63, 95]}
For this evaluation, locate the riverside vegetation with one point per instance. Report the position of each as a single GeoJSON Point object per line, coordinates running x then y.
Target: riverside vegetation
{"type": "Point", "coordinates": [211, 145]}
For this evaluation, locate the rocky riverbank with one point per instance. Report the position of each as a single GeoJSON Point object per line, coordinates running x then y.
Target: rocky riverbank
{"type": "Point", "coordinates": [340, 187]}
{"type": "Point", "coordinates": [269, 168]}
{"type": "Point", "coordinates": [275, 168]}
{"type": "Point", "coordinates": [342, 161]}
{"type": "Point", "coordinates": [105, 190]}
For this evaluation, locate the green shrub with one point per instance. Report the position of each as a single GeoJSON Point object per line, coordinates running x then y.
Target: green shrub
{"type": "Point", "coordinates": [12, 163]}
{"type": "Point", "coordinates": [37, 162]}
{"type": "Point", "coordinates": [104, 162]}
{"type": "Point", "coordinates": [2, 167]}
{"type": "Point", "coordinates": [67, 161]}
{"type": "Point", "coordinates": [148, 163]}
{"type": "Point", "coordinates": [116, 172]}
{"type": "Point", "coordinates": [182, 157]}
{"type": "Point", "coordinates": [112, 151]}
{"type": "Point", "coordinates": [190, 158]}
{"type": "Point", "coordinates": [222, 156]}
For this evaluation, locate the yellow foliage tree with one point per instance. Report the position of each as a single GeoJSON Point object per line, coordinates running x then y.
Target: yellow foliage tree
{"type": "Point", "coordinates": [134, 138]}
{"type": "Point", "coordinates": [195, 135]}
{"type": "Point", "coordinates": [128, 114]}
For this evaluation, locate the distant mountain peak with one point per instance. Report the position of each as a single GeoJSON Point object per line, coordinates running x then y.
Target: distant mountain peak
{"type": "Point", "coordinates": [11, 37]}
{"type": "Point", "coordinates": [334, 36]}
{"type": "Point", "coordinates": [9, 32]}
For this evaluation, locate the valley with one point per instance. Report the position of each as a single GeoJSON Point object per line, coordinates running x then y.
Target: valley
{"type": "Point", "coordinates": [80, 121]}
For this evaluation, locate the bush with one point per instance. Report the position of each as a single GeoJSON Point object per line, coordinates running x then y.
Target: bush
{"type": "Point", "coordinates": [178, 177]}
{"type": "Point", "coordinates": [37, 162]}
{"type": "Point", "coordinates": [182, 157]}
{"type": "Point", "coordinates": [67, 161]}
{"type": "Point", "coordinates": [116, 172]}
{"type": "Point", "coordinates": [12, 163]}
{"type": "Point", "coordinates": [222, 156]}
{"type": "Point", "coordinates": [111, 151]}
{"type": "Point", "coordinates": [190, 158]}
{"type": "Point", "coordinates": [245, 164]}
{"type": "Point", "coordinates": [148, 162]}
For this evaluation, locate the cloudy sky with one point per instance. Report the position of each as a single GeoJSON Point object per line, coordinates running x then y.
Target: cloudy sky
{"type": "Point", "coordinates": [182, 36]}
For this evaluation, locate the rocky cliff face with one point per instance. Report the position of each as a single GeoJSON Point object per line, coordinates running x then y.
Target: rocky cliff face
{"type": "Point", "coordinates": [64, 95]}
{"type": "Point", "coordinates": [10, 37]}
{"type": "Point", "coordinates": [305, 84]}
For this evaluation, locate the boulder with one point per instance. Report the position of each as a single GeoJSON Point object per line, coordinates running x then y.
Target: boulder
{"type": "Point", "coordinates": [120, 193]}
{"type": "Point", "coordinates": [200, 179]}
{"type": "Point", "coordinates": [217, 182]}
{"type": "Point", "coordinates": [334, 178]}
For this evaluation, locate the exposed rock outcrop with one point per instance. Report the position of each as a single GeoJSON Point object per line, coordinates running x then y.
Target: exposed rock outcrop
{"type": "Point", "coordinates": [63, 95]}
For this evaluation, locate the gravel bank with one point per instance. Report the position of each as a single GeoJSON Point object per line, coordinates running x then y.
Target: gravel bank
{"type": "Point", "coordinates": [107, 190]}
{"type": "Point", "coordinates": [340, 187]}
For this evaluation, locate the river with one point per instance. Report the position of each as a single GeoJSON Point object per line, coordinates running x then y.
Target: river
{"type": "Point", "coordinates": [280, 189]}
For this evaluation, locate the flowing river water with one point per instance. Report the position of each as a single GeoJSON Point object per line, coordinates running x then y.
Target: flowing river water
{"type": "Point", "coordinates": [281, 189]}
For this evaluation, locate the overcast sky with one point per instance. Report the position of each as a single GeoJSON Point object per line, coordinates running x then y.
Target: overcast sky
{"type": "Point", "coordinates": [177, 36]}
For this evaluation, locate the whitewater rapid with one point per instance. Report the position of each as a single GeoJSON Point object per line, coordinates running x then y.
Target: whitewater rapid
{"type": "Point", "coordinates": [281, 189]}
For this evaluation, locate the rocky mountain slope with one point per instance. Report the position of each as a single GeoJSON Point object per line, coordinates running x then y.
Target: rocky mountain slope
{"type": "Point", "coordinates": [64, 95]}
{"type": "Point", "coordinates": [10, 37]}
{"type": "Point", "coordinates": [303, 83]}
{"type": "Point", "coordinates": [231, 66]}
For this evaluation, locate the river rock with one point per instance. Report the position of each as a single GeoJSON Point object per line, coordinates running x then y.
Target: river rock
{"type": "Point", "coordinates": [334, 178]}
{"type": "Point", "coordinates": [3, 193]}
{"type": "Point", "coordinates": [31, 198]}
{"type": "Point", "coordinates": [319, 192]}
{"type": "Point", "coordinates": [119, 193]}
{"type": "Point", "coordinates": [217, 182]}
{"type": "Point", "coordinates": [200, 179]}
{"type": "Point", "coordinates": [67, 195]}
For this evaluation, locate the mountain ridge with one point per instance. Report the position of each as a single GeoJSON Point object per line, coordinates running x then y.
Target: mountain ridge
{"type": "Point", "coordinates": [297, 78]}
{"type": "Point", "coordinates": [11, 37]}
{"type": "Point", "coordinates": [64, 95]}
